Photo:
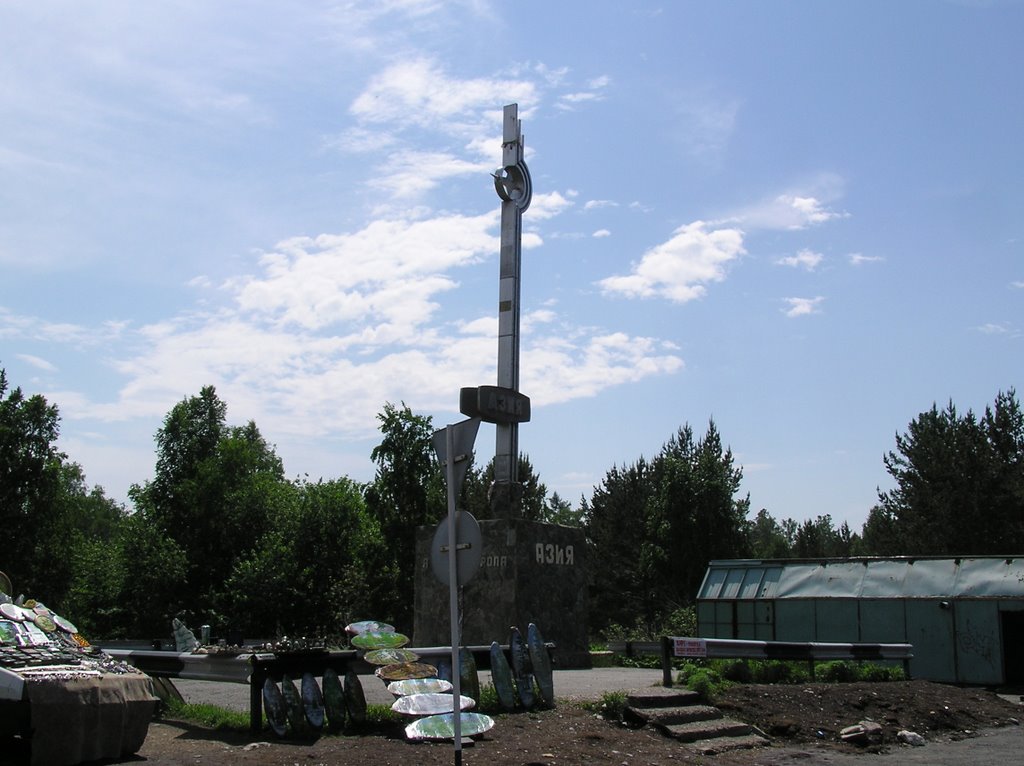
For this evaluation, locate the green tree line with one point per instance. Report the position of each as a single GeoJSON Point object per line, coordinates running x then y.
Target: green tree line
{"type": "Point", "coordinates": [221, 536]}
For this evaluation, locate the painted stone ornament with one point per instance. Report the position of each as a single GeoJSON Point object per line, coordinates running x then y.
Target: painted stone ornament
{"type": "Point", "coordinates": [443, 726]}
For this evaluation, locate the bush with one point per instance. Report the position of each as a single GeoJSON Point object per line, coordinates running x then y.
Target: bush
{"type": "Point", "coordinates": [738, 671]}
{"type": "Point", "coordinates": [781, 672]}
{"type": "Point", "coordinates": [707, 683]}
{"type": "Point", "coordinates": [839, 671]}
{"type": "Point", "coordinates": [703, 677]}
{"type": "Point", "coordinates": [880, 673]}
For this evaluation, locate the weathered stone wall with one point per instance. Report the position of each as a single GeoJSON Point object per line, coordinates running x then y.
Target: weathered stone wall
{"type": "Point", "coordinates": [530, 572]}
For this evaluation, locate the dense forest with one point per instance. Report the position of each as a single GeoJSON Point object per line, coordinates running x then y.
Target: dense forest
{"type": "Point", "coordinates": [221, 536]}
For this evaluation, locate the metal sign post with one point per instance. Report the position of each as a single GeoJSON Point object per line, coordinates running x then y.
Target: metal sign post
{"type": "Point", "coordinates": [454, 447]}
{"type": "Point", "coordinates": [453, 594]}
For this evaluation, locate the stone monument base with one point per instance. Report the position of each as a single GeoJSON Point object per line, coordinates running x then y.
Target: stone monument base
{"type": "Point", "coordinates": [529, 572]}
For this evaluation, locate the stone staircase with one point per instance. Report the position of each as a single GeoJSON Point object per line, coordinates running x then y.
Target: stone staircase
{"type": "Point", "coordinates": [679, 713]}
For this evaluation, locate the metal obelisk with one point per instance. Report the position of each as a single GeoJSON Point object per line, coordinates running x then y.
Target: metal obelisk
{"type": "Point", "coordinates": [529, 571]}
{"type": "Point", "coordinates": [514, 188]}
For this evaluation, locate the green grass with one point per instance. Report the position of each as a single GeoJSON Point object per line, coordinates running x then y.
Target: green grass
{"type": "Point", "coordinates": [488, 702]}
{"type": "Point", "coordinates": [379, 714]}
{"type": "Point", "coordinates": [209, 715]}
{"type": "Point", "coordinates": [609, 706]}
{"type": "Point", "coordinates": [223, 719]}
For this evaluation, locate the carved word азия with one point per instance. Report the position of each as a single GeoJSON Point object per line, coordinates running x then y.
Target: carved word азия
{"type": "Point", "coordinates": [549, 553]}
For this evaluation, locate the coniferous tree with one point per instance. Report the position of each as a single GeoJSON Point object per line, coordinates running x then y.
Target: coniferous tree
{"type": "Point", "coordinates": [959, 484]}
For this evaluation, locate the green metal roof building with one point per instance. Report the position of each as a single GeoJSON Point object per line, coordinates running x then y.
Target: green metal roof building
{"type": "Point", "coordinates": [964, 616]}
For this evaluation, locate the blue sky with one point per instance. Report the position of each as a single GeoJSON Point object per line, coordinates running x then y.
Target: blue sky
{"type": "Point", "coordinates": [802, 220]}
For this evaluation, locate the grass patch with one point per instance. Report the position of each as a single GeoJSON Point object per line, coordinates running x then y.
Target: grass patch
{"type": "Point", "coordinates": [212, 716]}
{"type": "Point", "coordinates": [381, 714]}
{"type": "Point", "coordinates": [609, 706]}
{"type": "Point", "coordinates": [488, 702]}
{"type": "Point", "coordinates": [223, 719]}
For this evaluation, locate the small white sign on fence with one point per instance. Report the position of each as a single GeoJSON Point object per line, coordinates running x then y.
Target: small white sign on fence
{"type": "Point", "coordinates": [689, 647]}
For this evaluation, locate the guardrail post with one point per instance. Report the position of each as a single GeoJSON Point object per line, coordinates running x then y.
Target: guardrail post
{"type": "Point", "coordinates": [666, 661]}
{"type": "Point", "coordinates": [256, 697]}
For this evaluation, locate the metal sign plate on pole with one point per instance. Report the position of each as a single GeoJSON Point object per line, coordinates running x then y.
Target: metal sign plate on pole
{"type": "Point", "coordinates": [463, 437]}
{"type": "Point", "coordinates": [495, 404]}
{"type": "Point", "coordinates": [468, 548]}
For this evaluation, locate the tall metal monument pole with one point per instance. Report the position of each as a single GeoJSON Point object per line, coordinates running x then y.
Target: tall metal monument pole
{"type": "Point", "coordinates": [514, 187]}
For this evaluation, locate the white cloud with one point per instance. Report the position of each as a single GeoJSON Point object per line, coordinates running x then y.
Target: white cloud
{"type": "Point", "coordinates": [410, 173]}
{"type": "Point", "coordinates": [680, 268]}
{"type": "Point", "coordinates": [330, 327]}
{"type": "Point", "coordinates": [37, 362]}
{"type": "Point", "coordinates": [857, 259]}
{"type": "Point", "coordinates": [557, 369]}
{"type": "Point", "coordinates": [594, 204]}
{"type": "Point", "coordinates": [359, 140]}
{"type": "Point", "coordinates": [78, 336]}
{"type": "Point", "coordinates": [594, 92]}
{"type": "Point", "coordinates": [799, 307]}
{"type": "Point", "coordinates": [1019, 284]}
{"type": "Point", "coordinates": [420, 93]}
{"type": "Point", "coordinates": [994, 328]}
{"type": "Point", "coordinates": [387, 272]}
{"type": "Point", "coordinates": [601, 233]}
{"type": "Point", "coordinates": [571, 99]}
{"type": "Point", "coordinates": [545, 206]}
{"type": "Point", "coordinates": [806, 259]}
{"type": "Point", "coordinates": [800, 208]}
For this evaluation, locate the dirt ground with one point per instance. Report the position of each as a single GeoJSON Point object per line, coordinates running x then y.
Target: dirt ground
{"type": "Point", "coordinates": [802, 721]}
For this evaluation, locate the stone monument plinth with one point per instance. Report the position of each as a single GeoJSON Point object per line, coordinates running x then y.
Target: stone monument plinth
{"type": "Point", "coordinates": [529, 572]}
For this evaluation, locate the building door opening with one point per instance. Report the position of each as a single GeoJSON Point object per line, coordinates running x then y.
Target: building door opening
{"type": "Point", "coordinates": [1013, 647]}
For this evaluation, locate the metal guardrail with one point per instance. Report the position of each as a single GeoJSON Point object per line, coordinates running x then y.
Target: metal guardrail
{"type": "Point", "coordinates": [248, 668]}
{"type": "Point", "coordinates": [808, 651]}
{"type": "Point", "coordinates": [254, 668]}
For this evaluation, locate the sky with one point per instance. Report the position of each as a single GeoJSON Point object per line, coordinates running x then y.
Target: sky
{"type": "Point", "coordinates": [802, 221]}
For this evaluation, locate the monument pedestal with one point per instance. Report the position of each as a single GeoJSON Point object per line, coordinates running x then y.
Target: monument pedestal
{"type": "Point", "coordinates": [529, 572]}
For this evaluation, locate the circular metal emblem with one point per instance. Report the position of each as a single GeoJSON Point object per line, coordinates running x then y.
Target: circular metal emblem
{"type": "Point", "coordinates": [44, 623]}
{"type": "Point", "coordinates": [513, 184]}
{"type": "Point", "coordinates": [12, 612]}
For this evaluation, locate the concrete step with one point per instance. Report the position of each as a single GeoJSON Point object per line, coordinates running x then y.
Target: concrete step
{"type": "Point", "coordinates": [665, 716]}
{"type": "Point", "coordinates": [725, 744]}
{"type": "Point", "coordinates": [661, 696]}
{"type": "Point", "coordinates": [694, 731]}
